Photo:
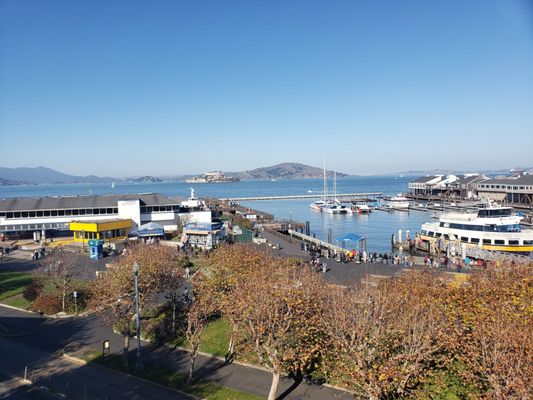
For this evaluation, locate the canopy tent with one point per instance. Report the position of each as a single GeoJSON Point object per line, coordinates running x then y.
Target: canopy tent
{"type": "Point", "coordinates": [352, 237]}
{"type": "Point", "coordinates": [149, 230]}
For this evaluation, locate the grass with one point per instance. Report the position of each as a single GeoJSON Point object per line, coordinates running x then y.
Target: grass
{"type": "Point", "coordinates": [214, 339]}
{"type": "Point", "coordinates": [202, 389]}
{"type": "Point", "coordinates": [13, 283]}
{"type": "Point", "coordinates": [17, 301]}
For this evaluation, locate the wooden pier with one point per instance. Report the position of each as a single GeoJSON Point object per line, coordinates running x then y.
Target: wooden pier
{"type": "Point", "coordinates": [345, 196]}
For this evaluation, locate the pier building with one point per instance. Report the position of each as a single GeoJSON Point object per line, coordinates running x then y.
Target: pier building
{"type": "Point", "coordinates": [42, 216]}
{"type": "Point", "coordinates": [515, 190]}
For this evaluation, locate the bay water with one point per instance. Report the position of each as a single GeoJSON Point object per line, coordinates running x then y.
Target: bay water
{"type": "Point", "coordinates": [377, 227]}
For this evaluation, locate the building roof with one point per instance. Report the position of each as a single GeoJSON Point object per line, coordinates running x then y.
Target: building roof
{"type": "Point", "coordinates": [424, 179]}
{"type": "Point", "coordinates": [509, 180]}
{"type": "Point", "coordinates": [88, 201]}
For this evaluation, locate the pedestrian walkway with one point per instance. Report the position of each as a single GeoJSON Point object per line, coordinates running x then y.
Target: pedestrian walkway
{"type": "Point", "coordinates": [339, 273]}
{"type": "Point", "coordinates": [41, 338]}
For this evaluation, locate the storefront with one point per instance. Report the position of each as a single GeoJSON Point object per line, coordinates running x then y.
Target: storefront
{"type": "Point", "coordinates": [106, 230]}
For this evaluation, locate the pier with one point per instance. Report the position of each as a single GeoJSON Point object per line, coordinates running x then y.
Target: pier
{"type": "Point", "coordinates": [345, 196]}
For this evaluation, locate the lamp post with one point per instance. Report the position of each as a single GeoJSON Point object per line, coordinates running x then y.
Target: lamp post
{"type": "Point", "coordinates": [139, 367]}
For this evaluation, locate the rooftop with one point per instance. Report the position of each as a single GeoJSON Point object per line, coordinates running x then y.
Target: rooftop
{"type": "Point", "coordinates": [85, 201]}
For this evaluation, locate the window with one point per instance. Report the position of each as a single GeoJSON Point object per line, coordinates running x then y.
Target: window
{"type": "Point", "coordinates": [81, 211]}
{"type": "Point", "coordinates": [32, 214]}
{"type": "Point", "coordinates": [9, 215]}
{"type": "Point", "coordinates": [24, 214]}
{"type": "Point", "coordinates": [46, 213]}
{"type": "Point", "coordinates": [464, 239]}
{"type": "Point", "coordinates": [39, 213]}
{"type": "Point", "coordinates": [474, 240]}
{"type": "Point", "coordinates": [53, 213]}
{"type": "Point", "coordinates": [89, 211]}
{"type": "Point", "coordinates": [96, 211]}
{"type": "Point", "coordinates": [61, 213]}
{"type": "Point", "coordinates": [446, 237]}
{"type": "Point", "coordinates": [487, 241]}
{"type": "Point", "coordinates": [528, 242]}
{"type": "Point", "coordinates": [109, 211]}
{"type": "Point", "coordinates": [499, 242]}
{"type": "Point", "coordinates": [75, 212]}
{"type": "Point", "coordinates": [513, 242]}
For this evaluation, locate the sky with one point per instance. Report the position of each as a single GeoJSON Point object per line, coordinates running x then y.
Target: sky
{"type": "Point", "coordinates": [124, 88]}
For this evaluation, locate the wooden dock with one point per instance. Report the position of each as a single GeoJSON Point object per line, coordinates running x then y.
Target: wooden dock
{"type": "Point", "coordinates": [345, 196]}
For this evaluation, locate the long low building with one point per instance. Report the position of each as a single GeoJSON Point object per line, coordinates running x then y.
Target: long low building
{"type": "Point", "coordinates": [44, 216]}
{"type": "Point", "coordinates": [517, 190]}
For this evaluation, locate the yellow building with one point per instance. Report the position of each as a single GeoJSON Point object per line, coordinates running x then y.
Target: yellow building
{"type": "Point", "coordinates": [107, 230]}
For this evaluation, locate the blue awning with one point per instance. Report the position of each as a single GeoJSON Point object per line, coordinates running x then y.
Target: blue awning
{"type": "Point", "coordinates": [150, 229]}
{"type": "Point", "coordinates": [350, 237]}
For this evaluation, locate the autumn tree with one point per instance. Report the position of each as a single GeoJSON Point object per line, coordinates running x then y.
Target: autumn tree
{"type": "Point", "coordinates": [61, 267]}
{"type": "Point", "coordinates": [280, 308]}
{"type": "Point", "coordinates": [384, 339]}
{"type": "Point", "coordinates": [490, 330]}
{"type": "Point", "coordinates": [113, 291]}
{"type": "Point", "coordinates": [226, 269]}
{"type": "Point", "coordinates": [203, 306]}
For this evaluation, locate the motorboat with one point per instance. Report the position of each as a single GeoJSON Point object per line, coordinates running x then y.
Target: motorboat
{"type": "Point", "coordinates": [398, 202]}
{"type": "Point", "coordinates": [492, 227]}
{"type": "Point", "coordinates": [361, 207]}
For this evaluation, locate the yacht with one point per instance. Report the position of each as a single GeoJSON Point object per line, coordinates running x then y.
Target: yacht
{"type": "Point", "coordinates": [361, 207]}
{"type": "Point", "coordinates": [399, 202]}
{"type": "Point", "coordinates": [489, 228]}
{"type": "Point", "coordinates": [336, 207]}
{"type": "Point", "coordinates": [319, 204]}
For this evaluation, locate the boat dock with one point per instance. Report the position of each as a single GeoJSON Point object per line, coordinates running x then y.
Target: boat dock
{"type": "Point", "coordinates": [320, 243]}
{"type": "Point", "coordinates": [371, 196]}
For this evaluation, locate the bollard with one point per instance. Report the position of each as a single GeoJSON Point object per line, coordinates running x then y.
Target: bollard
{"type": "Point", "coordinates": [26, 373]}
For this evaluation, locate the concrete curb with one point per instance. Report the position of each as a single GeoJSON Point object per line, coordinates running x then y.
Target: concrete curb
{"type": "Point", "coordinates": [17, 308]}
{"type": "Point", "coordinates": [80, 361]}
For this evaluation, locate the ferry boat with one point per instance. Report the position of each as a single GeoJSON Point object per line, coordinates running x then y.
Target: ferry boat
{"type": "Point", "coordinates": [492, 227]}
{"type": "Point", "coordinates": [399, 202]}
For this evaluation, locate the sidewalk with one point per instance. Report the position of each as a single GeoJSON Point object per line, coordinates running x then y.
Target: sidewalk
{"type": "Point", "coordinates": [64, 378]}
{"type": "Point", "coordinates": [37, 335]}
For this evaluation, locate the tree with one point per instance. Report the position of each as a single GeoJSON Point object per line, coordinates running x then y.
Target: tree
{"type": "Point", "coordinates": [201, 310]}
{"type": "Point", "coordinates": [490, 330]}
{"type": "Point", "coordinates": [61, 267]}
{"type": "Point", "coordinates": [384, 339]}
{"type": "Point", "coordinates": [226, 269]}
{"type": "Point", "coordinates": [280, 308]}
{"type": "Point", "coordinates": [113, 292]}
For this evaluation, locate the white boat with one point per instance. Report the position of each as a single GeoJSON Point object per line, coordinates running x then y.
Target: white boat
{"type": "Point", "coordinates": [319, 204]}
{"type": "Point", "coordinates": [112, 185]}
{"type": "Point", "coordinates": [489, 228]}
{"type": "Point", "coordinates": [335, 206]}
{"type": "Point", "coordinates": [398, 202]}
{"type": "Point", "coordinates": [361, 207]}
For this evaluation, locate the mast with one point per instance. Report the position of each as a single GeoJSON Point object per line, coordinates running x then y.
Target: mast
{"type": "Point", "coordinates": [325, 192]}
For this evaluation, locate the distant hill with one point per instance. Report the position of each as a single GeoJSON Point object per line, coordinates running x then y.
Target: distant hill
{"type": "Point", "coordinates": [43, 175]}
{"type": "Point", "coordinates": [283, 171]}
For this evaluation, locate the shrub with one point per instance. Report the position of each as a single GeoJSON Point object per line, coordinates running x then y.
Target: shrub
{"type": "Point", "coordinates": [48, 304]}
{"type": "Point", "coordinates": [33, 290]}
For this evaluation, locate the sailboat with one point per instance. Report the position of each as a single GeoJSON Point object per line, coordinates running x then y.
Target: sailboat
{"type": "Point", "coordinates": [318, 204]}
{"type": "Point", "coordinates": [336, 207]}
{"type": "Point", "coordinates": [112, 185]}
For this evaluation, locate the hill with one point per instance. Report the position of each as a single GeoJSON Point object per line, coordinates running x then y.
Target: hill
{"type": "Point", "coordinates": [283, 171]}
{"type": "Point", "coordinates": [43, 175]}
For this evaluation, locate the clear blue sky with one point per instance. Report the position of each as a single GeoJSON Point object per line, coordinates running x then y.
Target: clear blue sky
{"type": "Point", "coordinates": [172, 87]}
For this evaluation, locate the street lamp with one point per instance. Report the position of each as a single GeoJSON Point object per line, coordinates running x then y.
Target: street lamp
{"type": "Point", "coordinates": [139, 367]}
